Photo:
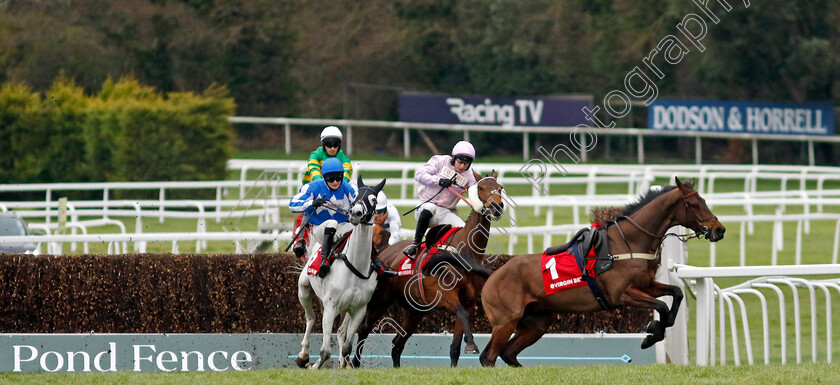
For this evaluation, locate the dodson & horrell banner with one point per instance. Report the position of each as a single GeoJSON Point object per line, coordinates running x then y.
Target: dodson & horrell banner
{"type": "Point", "coordinates": [491, 110]}
{"type": "Point", "coordinates": [742, 117]}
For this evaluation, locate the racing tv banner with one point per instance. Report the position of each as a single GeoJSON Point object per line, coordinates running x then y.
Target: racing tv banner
{"type": "Point", "coordinates": [490, 110]}
{"type": "Point", "coordinates": [742, 117]}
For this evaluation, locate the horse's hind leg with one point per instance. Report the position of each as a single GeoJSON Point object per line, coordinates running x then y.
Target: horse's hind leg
{"type": "Point", "coordinates": [351, 323]}
{"type": "Point", "coordinates": [471, 347]}
{"type": "Point", "coordinates": [305, 295]}
{"type": "Point", "coordinates": [634, 297]}
{"type": "Point", "coordinates": [376, 308]}
{"type": "Point", "coordinates": [462, 328]}
{"type": "Point", "coordinates": [409, 325]}
{"type": "Point", "coordinates": [530, 329]}
{"type": "Point", "coordinates": [341, 336]}
{"type": "Point", "coordinates": [455, 347]}
{"type": "Point", "coordinates": [500, 337]}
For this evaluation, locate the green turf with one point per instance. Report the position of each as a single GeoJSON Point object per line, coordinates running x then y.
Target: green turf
{"type": "Point", "coordinates": [607, 375]}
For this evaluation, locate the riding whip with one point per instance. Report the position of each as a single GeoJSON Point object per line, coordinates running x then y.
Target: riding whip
{"type": "Point", "coordinates": [428, 200]}
{"type": "Point", "coordinates": [303, 223]}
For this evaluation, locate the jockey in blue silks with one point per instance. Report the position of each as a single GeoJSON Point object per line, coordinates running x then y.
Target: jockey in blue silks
{"type": "Point", "coordinates": [328, 223]}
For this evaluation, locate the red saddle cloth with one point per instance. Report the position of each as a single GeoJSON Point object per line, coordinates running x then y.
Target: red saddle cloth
{"type": "Point", "coordinates": [561, 271]}
{"type": "Point", "coordinates": [407, 264]}
{"type": "Point", "coordinates": [315, 263]}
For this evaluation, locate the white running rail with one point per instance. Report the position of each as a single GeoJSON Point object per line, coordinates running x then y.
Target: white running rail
{"type": "Point", "coordinates": [775, 280]}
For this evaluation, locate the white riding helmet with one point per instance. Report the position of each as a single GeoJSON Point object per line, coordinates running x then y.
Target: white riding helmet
{"type": "Point", "coordinates": [463, 148]}
{"type": "Point", "coordinates": [331, 132]}
{"type": "Point", "coordinates": [381, 201]}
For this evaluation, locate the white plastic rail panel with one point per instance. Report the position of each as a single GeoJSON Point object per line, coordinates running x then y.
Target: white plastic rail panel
{"type": "Point", "coordinates": [778, 290]}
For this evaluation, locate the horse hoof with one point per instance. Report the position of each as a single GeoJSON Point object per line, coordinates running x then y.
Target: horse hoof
{"type": "Point", "coordinates": [471, 349]}
{"type": "Point", "coordinates": [648, 341]}
{"type": "Point", "coordinates": [652, 326]}
{"type": "Point", "coordinates": [310, 365]}
{"type": "Point", "coordinates": [356, 363]}
{"type": "Point", "coordinates": [302, 362]}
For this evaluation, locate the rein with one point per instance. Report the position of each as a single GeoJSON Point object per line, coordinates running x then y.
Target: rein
{"type": "Point", "coordinates": [353, 268]}
{"type": "Point", "coordinates": [682, 237]}
{"type": "Point", "coordinates": [427, 201]}
{"type": "Point", "coordinates": [457, 194]}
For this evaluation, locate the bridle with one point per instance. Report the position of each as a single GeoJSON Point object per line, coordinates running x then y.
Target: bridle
{"type": "Point", "coordinates": [476, 201]}
{"type": "Point", "coordinates": [366, 219]}
{"type": "Point", "coordinates": [704, 230]}
{"type": "Point", "coordinates": [702, 233]}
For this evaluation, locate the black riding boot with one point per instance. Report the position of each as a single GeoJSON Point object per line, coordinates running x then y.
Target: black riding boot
{"type": "Point", "coordinates": [300, 246]}
{"type": "Point", "coordinates": [422, 224]}
{"type": "Point", "coordinates": [326, 256]}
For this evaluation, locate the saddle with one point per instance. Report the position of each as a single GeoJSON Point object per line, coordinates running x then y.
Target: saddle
{"type": "Point", "coordinates": [587, 239]}
{"type": "Point", "coordinates": [435, 233]}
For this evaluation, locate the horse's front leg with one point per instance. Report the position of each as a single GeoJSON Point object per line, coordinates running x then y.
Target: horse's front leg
{"type": "Point", "coordinates": [305, 296]}
{"type": "Point", "coordinates": [376, 308]}
{"type": "Point", "coordinates": [409, 325]}
{"type": "Point", "coordinates": [634, 297]}
{"type": "Point", "coordinates": [327, 323]}
{"type": "Point", "coordinates": [658, 289]}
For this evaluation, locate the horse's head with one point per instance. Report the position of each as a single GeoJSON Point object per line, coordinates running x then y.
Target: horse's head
{"type": "Point", "coordinates": [380, 237]}
{"type": "Point", "coordinates": [486, 196]}
{"type": "Point", "coordinates": [362, 209]}
{"type": "Point", "coordinates": [696, 215]}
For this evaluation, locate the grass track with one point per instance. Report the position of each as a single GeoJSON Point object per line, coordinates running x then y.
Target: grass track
{"type": "Point", "coordinates": [577, 375]}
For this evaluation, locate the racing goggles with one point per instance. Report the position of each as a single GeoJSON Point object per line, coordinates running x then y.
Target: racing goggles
{"type": "Point", "coordinates": [332, 142]}
{"type": "Point", "coordinates": [333, 177]}
{"type": "Point", "coordinates": [464, 158]}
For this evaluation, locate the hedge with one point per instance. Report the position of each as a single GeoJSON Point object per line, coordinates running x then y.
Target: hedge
{"type": "Point", "coordinates": [165, 293]}
{"type": "Point", "coordinates": [126, 132]}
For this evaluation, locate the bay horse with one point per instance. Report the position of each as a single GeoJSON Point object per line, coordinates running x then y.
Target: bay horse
{"type": "Point", "coordinates": [343, 290]}
{"type": "Point", "coordinates": [468, 244]}
{"type": "Point", "coordinates": [515, 301]}
{"type": "Point", "coordinates": [380, 235]}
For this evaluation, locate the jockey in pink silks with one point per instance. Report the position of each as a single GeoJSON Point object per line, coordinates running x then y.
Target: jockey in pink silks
{"type": "Point", "coordinates": [434, 178]}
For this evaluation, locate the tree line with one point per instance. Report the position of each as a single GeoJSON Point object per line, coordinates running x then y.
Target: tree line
{"type": "Point", "coordinates": [297, 58]}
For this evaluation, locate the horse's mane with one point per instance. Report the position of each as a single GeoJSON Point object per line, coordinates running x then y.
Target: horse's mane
{"type": "Point", "coordinates": [607, 214]}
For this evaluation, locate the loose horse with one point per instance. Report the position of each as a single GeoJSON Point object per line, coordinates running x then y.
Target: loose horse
{"type": "Point", "coordinates": [470, 241]}
{"type": "Point", "coordinates": [342, 291]}
{"type": "Point", "coordinates": [516, 303]}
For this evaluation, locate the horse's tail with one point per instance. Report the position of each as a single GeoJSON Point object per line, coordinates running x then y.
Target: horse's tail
{"type": "Point", "coordinates": [456, 260]}
{"type": "Point", "coordinates": [296, 268]}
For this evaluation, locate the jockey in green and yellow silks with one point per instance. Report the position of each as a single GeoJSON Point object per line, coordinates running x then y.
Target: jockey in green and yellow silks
{"type": "Point", "coordinates": [330, 148]}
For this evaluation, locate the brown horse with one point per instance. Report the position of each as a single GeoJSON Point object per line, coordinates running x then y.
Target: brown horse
{"type": "Point", "coordinates": [515, 300]}
{"type": "Point", "coordinates": [380, 235]}
{"type": "Point", "coordinates": [438, 288]}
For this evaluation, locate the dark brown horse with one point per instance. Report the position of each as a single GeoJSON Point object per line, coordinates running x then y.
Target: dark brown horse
{"type": "Point", "coordinates": [449, 284]}
{"type": "Point", "coordinates": [515, 300]}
